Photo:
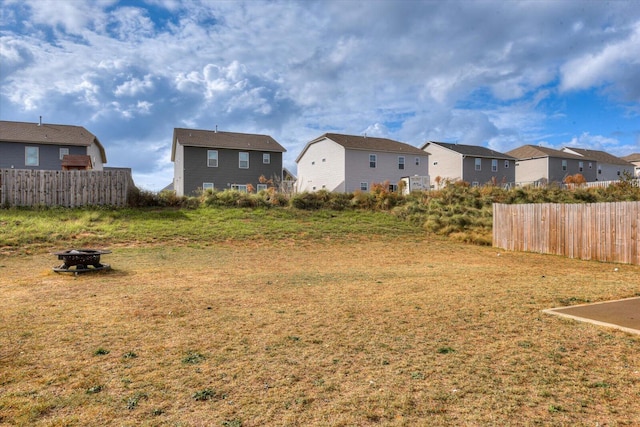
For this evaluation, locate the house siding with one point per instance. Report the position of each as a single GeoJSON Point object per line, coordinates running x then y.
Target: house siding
{"type": "Point", "coordinates": [531, 170]}
{"type": "Point", "coordinates": [444, 163]}
{"type": "Point", "coordinates": [485, 175]}
{"type": "Point", "coordinates": [228, 172]}
{"type": "Point", "coordinates": [315, 174]}
{"type": "Point", "coordinates": [12, 155]}
{"type": "Point", "coordinates": [611, 172]}
{"type": "Point", "coordinates": [358, 169]}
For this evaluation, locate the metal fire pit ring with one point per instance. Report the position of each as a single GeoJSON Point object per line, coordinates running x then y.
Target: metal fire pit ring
{"type": "Point", "coordinates": [82, 260]}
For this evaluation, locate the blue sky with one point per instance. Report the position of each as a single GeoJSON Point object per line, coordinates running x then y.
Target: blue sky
{"type": "Point", "coordinates": [499, 74]}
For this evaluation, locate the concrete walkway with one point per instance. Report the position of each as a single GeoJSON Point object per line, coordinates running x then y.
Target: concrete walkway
{"type": "Point", "coordinates": [620, 314]}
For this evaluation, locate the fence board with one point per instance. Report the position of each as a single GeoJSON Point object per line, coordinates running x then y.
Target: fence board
{"type": "Point", "coordinates": [596, 231]}
{"type": "Point", "coordinates": [22, 187]}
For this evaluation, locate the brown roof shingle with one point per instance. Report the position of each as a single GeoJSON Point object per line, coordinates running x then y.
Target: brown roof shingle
{"type": "Point", "coordinates": [46, 133]}
{"type": "Point", "coordinates": [471, 150]}
{"type": "Point", "coordinates": [535, 152]}
{"type": "Point", "coordinates": [368, 143]}
{"type": "Point", "coordinates": [599, 156]}
{"type": "Point", "coordinates": [219, 139]}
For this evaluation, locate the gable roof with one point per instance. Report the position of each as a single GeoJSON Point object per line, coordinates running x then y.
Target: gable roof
{"type": "Point", "coordinates": [471, 150]}
{"type": "Point", "coordinates": [599, 156]}
{"type": "Point", "coordinates": [228, 140]}
{"type": "Point", "coordinates": [51, 134]}
{"type": "Point", "coordinates": [367, 143]}
{"type": "Point", "coordinates": [527, 152]}
{"type": "Point", "coordinates": [635, 157]}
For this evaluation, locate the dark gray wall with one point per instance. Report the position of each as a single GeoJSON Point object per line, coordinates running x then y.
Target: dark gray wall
{"type": "Point", "coordinates": [485, 175]}
{"type": "Point", "coordinates": [556, 174]}
{"type": "Point", "coordinates": [12, 154]}
{"type": "Point", "coordinates": [196, 170]}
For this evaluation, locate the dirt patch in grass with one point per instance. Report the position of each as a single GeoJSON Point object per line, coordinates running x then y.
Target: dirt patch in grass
{"type": "Point", "coordinates": [367, 332]}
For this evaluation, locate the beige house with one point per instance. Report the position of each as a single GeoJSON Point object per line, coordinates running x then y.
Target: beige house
{"type": "Point", "coordinates": [634, 159]}
{"type": "Point", "coordinates": [545, 165]}
{"type": "Point", "coordinates": [346, 163]}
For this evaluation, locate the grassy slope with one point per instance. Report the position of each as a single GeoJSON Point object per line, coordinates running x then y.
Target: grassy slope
{"type": "Point", "coordinates": [291, 318]}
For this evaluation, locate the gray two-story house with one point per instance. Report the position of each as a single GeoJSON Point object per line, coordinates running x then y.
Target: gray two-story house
{"type": "Point", "coordinates": [44, 146]}
{"type": "Point", "coordinates": [470, 163]}
{"type": "Point", "coordinates": [216, 160]}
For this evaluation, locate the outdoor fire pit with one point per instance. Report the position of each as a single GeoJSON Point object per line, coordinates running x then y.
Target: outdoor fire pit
{"type": "Point", "coordinates": [81, 260]}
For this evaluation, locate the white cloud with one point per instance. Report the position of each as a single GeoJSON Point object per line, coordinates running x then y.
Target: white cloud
{"type": "Point", "coordinates": [490, 73]}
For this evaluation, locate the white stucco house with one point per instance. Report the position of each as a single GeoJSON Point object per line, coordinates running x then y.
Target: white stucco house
{"type": "Point", "coordinates": [346, 163]}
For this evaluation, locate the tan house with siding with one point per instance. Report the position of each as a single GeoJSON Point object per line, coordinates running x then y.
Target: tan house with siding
{"type": "Point", "coordinates": [635, 160]}
{"type": "Point", "coordinates": [346, 163]}
{"type": "Point", "coordinates": [545, 165]}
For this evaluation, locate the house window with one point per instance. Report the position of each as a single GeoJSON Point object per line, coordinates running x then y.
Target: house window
{"type": "Point", "coordinates": [262, 187]}
{"type": "Point", "coordinates": [581, 166]}
{"type": "Point", "coordinates": [475, 184]}
{"type": "Point", "coordinates": [241, 188]}
{"type": "Point", "coordinates": [207, 186]}
{"type": "Point", "coordinates": [31, 156]}
{"type": "Point", "coordinates": [401, 162]}
{"type": "Point", "coordinates": [64, 152]}
{"type": "Point", "coordinates": [266, 158]}
{"type": "Point", "coordinates": [564, 165]}
{"type": "Point", "coordinates": [212, 158]}
{"type": "Point", "coordinates": [506, 164]}
{"type": "Point", "coordinates": [393, 187]}
{"type": "Point", "coordinates": [364, 186]}
{"type": "Point", "coordinates": [618, 173]}
{"type": "Point", "coordinates": [243, 161]}
{"type": "Point", "coordinates": [372, 160]}
{"type": "Point", "coordinates": [478, 164]}
{"type": "Point", "coordinates": [494, 165]}
{"type": "Point", "coordinates": [599, 170]}
{"type": "Point", "coordinates": [417, 161]}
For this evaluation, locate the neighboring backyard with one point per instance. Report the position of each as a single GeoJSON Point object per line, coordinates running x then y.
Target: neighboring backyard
{"type": "Point", "coordinates": [251, 317]}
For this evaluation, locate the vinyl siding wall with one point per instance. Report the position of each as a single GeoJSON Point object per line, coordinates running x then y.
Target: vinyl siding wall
{"type": "Point", "coordinates": [444, 163]}
{"type": "Point", "coordinates": [485, 174]}
{"type": "Point", "coordinates": [228, 172]}
{"type": "Point", "coordinates": [322, 167]}
{"type": "Point", "coordinates": [358, 169]}
{"type": "Point", "coordinates": [12, 155]}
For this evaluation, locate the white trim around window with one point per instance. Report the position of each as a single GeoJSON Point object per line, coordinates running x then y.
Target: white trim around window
{"type": "Point", "coordinates": [243, 160]}
{"type": "Point", "coordinates": [478, 163]}
{"type": "Point", "coordinates": [373, 160]}
{"type": "Point", "coordinates": [261, 187]}
{"type": "Point", "coordinates": [63, 152]}
{"type": "Point", "coordinates": [31, 156]}
{"type": "Point", "coordinates": [212, 158]}
{"type": "Point", "coordinates": [400, 162]}
{"type": "Point", "coordinates": [506, 164]}
{"type": "Point", "coordinates": [207, 186]}
{"type": "Point", "coordinates": [240, 188]}
{"type": "Point", "coordinates": [266, 158]}
{"type": "Point", "coordinates": [364, 186]}
{"type": "Point", "coordinates": [494, 165]}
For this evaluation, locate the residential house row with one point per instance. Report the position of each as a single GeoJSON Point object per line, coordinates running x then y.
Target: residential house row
{"type": "Point", "coordinates": [219, 160]}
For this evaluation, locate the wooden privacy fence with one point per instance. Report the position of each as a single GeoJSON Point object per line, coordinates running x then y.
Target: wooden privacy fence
{"type": "Point", "coordinates": [23, 187]}
{"type": "Point", "coordinates": [595, 231]}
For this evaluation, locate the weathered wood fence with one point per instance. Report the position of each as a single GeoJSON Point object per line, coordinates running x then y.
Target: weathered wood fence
{"type": "Point", "coordinates": [595, 231]}
{"type": "Point", "coordinates": [23, 187]}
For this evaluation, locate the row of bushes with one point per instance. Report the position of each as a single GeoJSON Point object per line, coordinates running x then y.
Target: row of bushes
{"type": "Point", "coordinates": [457, 210]}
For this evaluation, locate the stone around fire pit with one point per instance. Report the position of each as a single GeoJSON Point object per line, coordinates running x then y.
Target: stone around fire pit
{"type": "Point", "coordinates": [80, 261]}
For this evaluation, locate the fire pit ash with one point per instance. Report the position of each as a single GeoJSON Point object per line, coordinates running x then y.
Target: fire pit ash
{"type": "Point", "coordinates": [81, 259]}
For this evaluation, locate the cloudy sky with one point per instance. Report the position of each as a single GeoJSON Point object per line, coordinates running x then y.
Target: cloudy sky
{"type": "Point", "coordinates": [499, 74]}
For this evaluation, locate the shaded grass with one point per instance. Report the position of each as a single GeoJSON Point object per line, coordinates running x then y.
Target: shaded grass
{"type": "Point", "coordinates": [85, 227]}
{"type": "Point", "coordinates": [381, 331]}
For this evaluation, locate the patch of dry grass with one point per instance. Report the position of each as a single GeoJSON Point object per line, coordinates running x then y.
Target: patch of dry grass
{"type": "Point", "coordinates": [365, 332]}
